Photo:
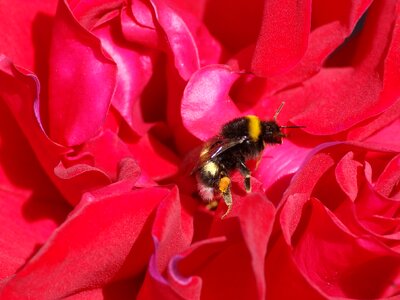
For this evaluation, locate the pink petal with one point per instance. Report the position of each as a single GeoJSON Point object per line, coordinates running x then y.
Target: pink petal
{"type": "Point", "coordinates": [205, 97]}
{"type": "Point", "coordinates": [82, 81]}
{"type": "Point", "coordinates": [283, 37]}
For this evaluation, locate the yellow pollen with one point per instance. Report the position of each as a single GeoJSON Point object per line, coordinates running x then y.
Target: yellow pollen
{"type": "Point", "coordinates": [254, 127]}
{"type": "Point", "coordinates": [224, 184]}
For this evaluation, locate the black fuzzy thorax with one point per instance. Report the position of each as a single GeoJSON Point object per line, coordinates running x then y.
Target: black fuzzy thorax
{"type": "Point", "coordinates": [249, 149]}
{"type": "Point", "coordinates": [236, 128]}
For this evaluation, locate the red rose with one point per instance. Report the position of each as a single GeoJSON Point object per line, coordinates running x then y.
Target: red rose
{"type": "Point", "coordinates": [103, 103]}
{"type": "Point", "coordinates": [338, 226]}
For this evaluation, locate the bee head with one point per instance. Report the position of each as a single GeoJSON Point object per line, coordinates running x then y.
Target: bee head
{"type": "Point", "coordinates": [271, 133]}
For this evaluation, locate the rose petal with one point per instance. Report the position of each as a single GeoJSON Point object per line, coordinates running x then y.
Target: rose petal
{"type": "Point", "coordinates": [379, 128]}
{"type": "Point", "coordinates": [244, 234]}
{"type": "Point", "coordinates": [283, 37]}
{"type": "Point", "coordinates": [138, 25]}
{"type": "Point", "coordinates": [82, 81]}
{"type": "Point", "coordinates": [371, 203]}
{"type": "Point", "coordinates": [278, 163]}
{"type": "Point", "coordinates": [388, 181]}
{"type": "Point", "coordinates": [95, 165]}
{"type": "Point", "coordinates": [350, 95]}
{"type": "Point", "coordinates": [91, 13]}
{"type": "Point", "coordinates": [180, 39]}
{"type": "Point", "coordinates": [279, 267]}
{"type": "Point", "coordinates": [99, 241]}
{"type": "Point", "coordinates": [237, 27]}
{"type": "Point", "coordinates": [20, 92]}
{"type": "Point", "coordinates": [31, 206]}
{"type": "Point", "coordinates": [26, 34]}
{"type": "Point", "coordinates": [135, 68]}
{"type": "Point", "coordinates": [154, 158]}
{"type": "Point", "coordinates": [107, 151]}
{"type": "Point", "coordinates": [339, 98]}
{"type": "Point", "coordinates": [343, 263]}
{"type": "Point", "coordinates": [172, 232]}
{"type": "Point", "coordinates": [347, 171]}
{"type": "Point", "coordinates": [205, 97]}
{"type": "Point", "coordinates": [331, 24]}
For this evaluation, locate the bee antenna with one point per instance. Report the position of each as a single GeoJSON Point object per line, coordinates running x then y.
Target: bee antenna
{"type": "Point", "coordinates": [278, 110]}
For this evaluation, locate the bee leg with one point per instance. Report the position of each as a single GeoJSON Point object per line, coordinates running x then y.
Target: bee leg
{"type": "Point", "coordinates": [258, 161]}
{"type": "Point", "coordinates": [212, 205]}
{"type": "Point", "coordinates": [224, 187]}
{"type": "Point", "coordinates": [246, 173]}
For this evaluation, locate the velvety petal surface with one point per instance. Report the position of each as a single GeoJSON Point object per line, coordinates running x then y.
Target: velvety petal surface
{"type": "Point", "coordinates": [283, 36]}
{"type": "Point", "coordinates": [81, 84]}
{"type": "Point", "coordinates": [109, 227]}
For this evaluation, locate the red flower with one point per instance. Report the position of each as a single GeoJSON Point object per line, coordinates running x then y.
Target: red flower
{"type": "Point", "coordinates": [338, 226]}
{"type": "Point", "coordinates": [103, 105]}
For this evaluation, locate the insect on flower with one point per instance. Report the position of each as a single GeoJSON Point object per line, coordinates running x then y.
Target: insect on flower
{"type": "Point", "coordinates": [239, 140]}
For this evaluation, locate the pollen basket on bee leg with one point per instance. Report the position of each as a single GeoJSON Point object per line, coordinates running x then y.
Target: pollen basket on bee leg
{"type": "Point", "coordinates": [224, 184]}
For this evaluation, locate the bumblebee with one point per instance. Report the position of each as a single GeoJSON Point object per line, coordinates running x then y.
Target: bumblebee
{"type": "Point", "coordinates": [239, 140]}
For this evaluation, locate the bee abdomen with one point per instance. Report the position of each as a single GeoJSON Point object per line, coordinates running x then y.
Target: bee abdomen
{"type": "Point", "coordinates": [209, 173]}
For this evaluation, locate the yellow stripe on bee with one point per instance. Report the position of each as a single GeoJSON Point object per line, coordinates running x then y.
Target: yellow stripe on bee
{"type": "Point", "coordinates": [254, 127]}
{"type": "Point", "coordinates": [224, 184]}
{"type": "Point", "coordinates": [211, 167]}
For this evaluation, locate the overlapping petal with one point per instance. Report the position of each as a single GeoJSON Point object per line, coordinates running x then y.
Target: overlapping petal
{"type": "Point", "coordinates": [78, 66]}
{"type": "Point", "coordinates": [283, 37]}
{"type": "Point", "coordinates": [113, 243]}
{"type": "Point", "coordinates": [352, 226]}
{"type": "Point", "coordinates": [105, 119]}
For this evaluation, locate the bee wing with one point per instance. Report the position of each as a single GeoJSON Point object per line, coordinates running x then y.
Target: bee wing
{"type": "Point", "coordinates": [224, 145]}
{"type": "Point", "coordinates": [215, 147]}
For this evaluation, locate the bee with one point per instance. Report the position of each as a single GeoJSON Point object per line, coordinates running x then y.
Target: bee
{"type": "Point", "coordinates": [239, 140]}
